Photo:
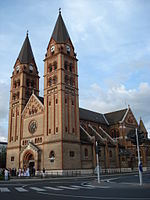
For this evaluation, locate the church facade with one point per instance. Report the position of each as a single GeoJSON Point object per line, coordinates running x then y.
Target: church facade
{"type": "Point", "coordinates": [52, 132]}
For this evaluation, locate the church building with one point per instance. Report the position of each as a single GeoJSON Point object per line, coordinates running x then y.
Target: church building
{"type": "Point", "coordinates": [52, 132]}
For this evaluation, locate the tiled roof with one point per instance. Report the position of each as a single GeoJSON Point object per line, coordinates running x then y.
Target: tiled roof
{"type": "Point", "coordinates": [112, 118]}
{"type": "Point", "coordinates": [26, 54]}
{"type": "Point", "coordinates": [91, 116]}
{"type": "Point", "coordinates": [60, 33]}
{"type": "Point", "coordinates": [115, 117]}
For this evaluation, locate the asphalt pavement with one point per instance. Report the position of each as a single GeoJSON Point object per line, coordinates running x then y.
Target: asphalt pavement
{"type": "Point", "coordinates": [114, 187]}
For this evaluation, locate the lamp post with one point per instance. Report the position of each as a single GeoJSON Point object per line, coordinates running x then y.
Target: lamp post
{"type": "Point", "coordinates": [97, 160]}
{"type": "Point", "coordinates": [139, 160]}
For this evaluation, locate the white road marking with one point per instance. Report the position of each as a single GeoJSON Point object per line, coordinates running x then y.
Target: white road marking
{"type": "Point", "coordinates": [38, 189]}
{"type": "Point", "coordinates": [68, 188]}
{"type": "Point", "coordinates": [20, 189]}
{"type": "Point", "coordinates": [78, 186]}
{"type": "Point", "coordinates": [53, 188]}
{"type": "Point", "coordinates": [4, 189]}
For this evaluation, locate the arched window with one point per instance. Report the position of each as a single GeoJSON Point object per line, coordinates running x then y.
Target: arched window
{"type": "Point", "coordinates": [86, 152]}
{"type": "Point", "coordinates": [70, 67]}
{"type": "Point", "coordinates": [55, 65]}
{"type": "Point", "coordinates": [50, 68]}
{"type": "Point", "coordinates": [110, 153]}
{"type": "Point", "coordinates": [114, 133]}
{"type": "Point", "coordinates": [52, 156]}
{"type": "Point", "coordinates": [55, 79]}
{"type": "Point", "coordinates": [50, 81]}
{"type": "Point", "coordinates": [27, 82]}
{"type": "Point", "coordinates": [66, 65]}
{"type": "Point", "coordinates": [18, 82]}
{"type": "Point", "coordinates": [32, 83]}
{"type": "Point", "coordinates": [66, 79]}
{"type": "Point", "coordinates": [71, 81]}
{"type": "Point", "coordinates": [15, 84]}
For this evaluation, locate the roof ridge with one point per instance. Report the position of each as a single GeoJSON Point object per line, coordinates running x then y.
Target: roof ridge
{"type": "Point", "coordinates": [116, 111]}
{"type": "Point", "coordinates": [91, 111]}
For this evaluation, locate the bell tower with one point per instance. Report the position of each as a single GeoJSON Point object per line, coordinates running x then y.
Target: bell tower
{"type": "Point", "coordinates": [61, 101]}
{"type": "Point", "coordinates": [24, 82]}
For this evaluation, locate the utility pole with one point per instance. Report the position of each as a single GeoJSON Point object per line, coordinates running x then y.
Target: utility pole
{"type": "Point", "coordinates": [139, 160]}
{"type": "Point", "coordinates": [97, 160]}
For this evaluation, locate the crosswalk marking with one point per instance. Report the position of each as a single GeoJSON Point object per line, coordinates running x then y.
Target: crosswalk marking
{"type": "Point", "coordinates": [53, 188]}
{"type": "Point", "coordinates": [68, 188]}
{"type": "Point", "coordinates": [78, 186]}
{"type": "Point", "coordinates": [38, 189]}
{"type": "Point", "coordinates": [56, 188]}
{"type": "Point", "coordinates": [21, 189]}
{"type": "Point", "coordinates": [4, 189]}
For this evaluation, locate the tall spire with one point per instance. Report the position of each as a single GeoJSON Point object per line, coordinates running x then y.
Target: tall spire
{"type": "Point", "coordinates": [60, 33]}
{"type": "Point", "coordinates": [26, 54]}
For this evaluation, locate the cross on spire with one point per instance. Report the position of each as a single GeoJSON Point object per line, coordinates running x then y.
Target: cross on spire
{"type": "Point", "coordinates": [59, 10]}
{"type": "Point", "coordinates": [27, 32]}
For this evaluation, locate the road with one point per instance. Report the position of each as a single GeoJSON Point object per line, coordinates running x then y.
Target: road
{"type": "Point", "coordinates": [113, 187]}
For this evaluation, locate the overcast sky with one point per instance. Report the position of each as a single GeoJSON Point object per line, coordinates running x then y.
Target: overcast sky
{"type": "Point", "coordinates": [112, 41]}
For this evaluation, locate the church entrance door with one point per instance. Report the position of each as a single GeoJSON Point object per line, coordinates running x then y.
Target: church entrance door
{"type": "Point", "coordinates": [28, 162]}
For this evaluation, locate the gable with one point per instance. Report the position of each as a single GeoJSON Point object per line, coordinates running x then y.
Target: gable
{"type": "Point", "coordinates": [33, 107]}
{"type": "Point", "coordinates": [130, 119]}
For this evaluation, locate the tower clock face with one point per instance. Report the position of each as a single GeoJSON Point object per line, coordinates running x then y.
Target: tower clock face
{"type": "Point", "coordinates": [53, 48]}
{"type": "Point", "coordinates": [31, 67]}
{"type": "Point", "coordinates": [68, 48]}
{"type": "Point", "coordinates": [32, 126]}
{"type": "Point", "coordinates": [17, 68]}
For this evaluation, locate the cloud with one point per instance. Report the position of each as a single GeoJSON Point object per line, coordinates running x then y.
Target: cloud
{"type": "Point", "coordinates": [3, 139]}
{"type": "Point", "coordinates": [118, 97]}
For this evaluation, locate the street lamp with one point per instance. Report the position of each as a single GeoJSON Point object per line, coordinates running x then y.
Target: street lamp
{"type": "Point", "coordinates": [97, 160]}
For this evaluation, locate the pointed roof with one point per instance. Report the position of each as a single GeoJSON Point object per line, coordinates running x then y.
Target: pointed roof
{"type": "Point", "coordinates": [26, 54]}
{"type": "Point", "coordinates": [142, 126]}
{"type": "Point", "coordinates": [60, 33]}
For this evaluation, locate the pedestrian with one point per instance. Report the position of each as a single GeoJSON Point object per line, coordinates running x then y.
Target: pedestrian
{"type": "Point", "coordinates": [6, 174]}
{"type": "Point", "coordinates": [43, 172]}
{"type": "Point", "coordinates": [19, 172]}
{"type": "Point", "coordinates": [33, 171]}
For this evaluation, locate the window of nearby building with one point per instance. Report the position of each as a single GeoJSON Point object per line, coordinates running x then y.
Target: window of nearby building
{"type": "Point", "coordinates": [86, 152]}
{"type": "Point", "coordinates": [56, 101]}
{"type": "Point", "coordinates": [12, 158]}
{"type": "Point", "coordinates": [56, 129]}
{"type": "Point", "coordinates": [52, 156]}
{"type": "Point", "coordinates": [72, 154]}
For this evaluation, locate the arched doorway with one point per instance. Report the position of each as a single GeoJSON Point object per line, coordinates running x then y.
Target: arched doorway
{"type": "Point", "coordinates": [29, 161]}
